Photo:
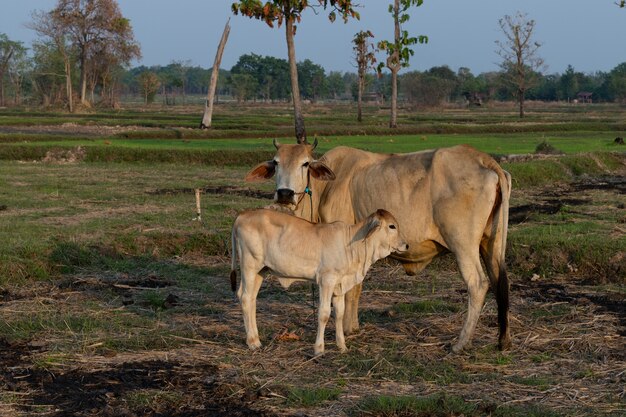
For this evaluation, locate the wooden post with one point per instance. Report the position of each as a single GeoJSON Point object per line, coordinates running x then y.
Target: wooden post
{"type": "Point", "coordinates": [208, 106]}
{"type": "Point", "coordinates": [198, 212]}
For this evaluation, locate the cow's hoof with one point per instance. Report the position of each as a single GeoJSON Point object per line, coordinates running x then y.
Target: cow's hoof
{"type": "Point", "coordinates": [457, 348]}
{"type": "Point", "coordinates": [254, 345]}
{"type": "Point", "coordinates": [342, 349]}
{"type": "Point", "coordinates": [504, 344]}
{"type": "Point", "coordinates": [351, 329]}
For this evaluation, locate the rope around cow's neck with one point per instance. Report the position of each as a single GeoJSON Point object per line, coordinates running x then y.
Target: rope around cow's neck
{"type": "Point", "coordinates": [307, 190]}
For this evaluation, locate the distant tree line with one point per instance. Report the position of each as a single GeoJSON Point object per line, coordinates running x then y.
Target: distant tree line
{"type": "Point", "coordinates": [35, 76]}
{"type": "Point", "coordinates": [256, 78]}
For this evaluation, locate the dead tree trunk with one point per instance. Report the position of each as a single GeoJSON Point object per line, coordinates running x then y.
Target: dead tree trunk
{"type": "Point", "coordinates": [208, 106]}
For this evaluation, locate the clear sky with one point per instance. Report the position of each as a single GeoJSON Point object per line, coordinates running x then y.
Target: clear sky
{"type": "Point", "coordinates": [588, 34]}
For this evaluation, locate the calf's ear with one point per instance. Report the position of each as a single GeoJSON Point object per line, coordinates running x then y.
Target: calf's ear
{"type": "Point", "coordinates": [372, 225]}
{"type": "Point", "coordinates": [261, 172]}
{"type": "Point", "coordinates": [320, 171]}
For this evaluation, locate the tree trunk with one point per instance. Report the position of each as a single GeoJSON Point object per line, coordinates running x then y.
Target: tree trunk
{"type": "Point", "coordinates": [393, 121]}
{"type": "Point", "coordinates": [3, 67]}
{"type": "Point", "coordinates": [68, 83]}
{"type": "Point", "coordinates": [295, 89]}
{"type": "Point", "coordinates": [359, 113]}
{"type": "Point", "coordinates": [208, 106]}
{"type": "Point", "coordinates": [395, 67]}
{"type": "Point", "coordinates": [83, 78]}
{"type": "Point", "coordinates": [521, 103]}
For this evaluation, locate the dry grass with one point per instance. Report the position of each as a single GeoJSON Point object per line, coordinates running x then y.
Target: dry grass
{"type": "Point", "coordinates": [567, 357]}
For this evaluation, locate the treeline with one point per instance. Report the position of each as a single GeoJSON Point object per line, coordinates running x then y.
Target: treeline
{"type": "Point", "coordinates": [256, 78]}
{"type": "Point", "coordinates": [37, 80]}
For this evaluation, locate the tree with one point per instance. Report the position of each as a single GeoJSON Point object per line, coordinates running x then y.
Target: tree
{"type": "Point", "coordinates": [617, 82]}
{"type": "Point", "coordinates": [149, 84]}
{"type": "Point", "coordinates": [399, 51]}
{"type": "Point", "coordinates": [96, 25]}
{"type": "Point", "coordinates": [48, 27]}
{"type": "Point", "coordinates": [365, 57]}
{"type": "Point", "coordinates": [519, 54]}
{"type": "Point", "coordinates": [180, 69]}
{"type": "Point", "coordinates": [10, 52]}
{"type": "Point", "coordinates": [290, 12]}
{"type": "Point", "coordinates": [311, 79]}
{"type": "Point", "coordinates": [568, 84]}
{"type": "Point", "coordinates": [335, 86]}
{"type": "Point", "coordinates": [243, 86]}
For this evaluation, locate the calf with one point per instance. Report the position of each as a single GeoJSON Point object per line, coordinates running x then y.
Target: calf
{"type": "Point", "coordinates": [336, 256]}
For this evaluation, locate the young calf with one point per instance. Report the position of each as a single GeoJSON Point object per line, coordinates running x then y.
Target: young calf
{"type": "Point", "coordinates": [336, 256]}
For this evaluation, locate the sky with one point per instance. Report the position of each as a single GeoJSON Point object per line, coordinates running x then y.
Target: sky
{"type": "Point", "coordinates": [590, 35]}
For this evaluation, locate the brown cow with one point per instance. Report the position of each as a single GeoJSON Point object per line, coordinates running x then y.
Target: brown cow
{"type": "Point", "coordinates": [446, 200]}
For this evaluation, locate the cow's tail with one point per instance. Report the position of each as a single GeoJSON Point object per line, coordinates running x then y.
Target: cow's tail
{"type": "Point", "coordinates": [502, 288]}
{"type": "Point", "coordinates": [496, 264]}
{"type": "Point", "coordinates": [233, 262]}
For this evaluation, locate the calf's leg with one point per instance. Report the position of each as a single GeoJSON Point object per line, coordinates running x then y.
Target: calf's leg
{"type": "Point", "coordinates": [338, 304]}
{"type": "Point", "coordinates": [250, 284]}
{"type": "Point", "coordinates": [322, 317]}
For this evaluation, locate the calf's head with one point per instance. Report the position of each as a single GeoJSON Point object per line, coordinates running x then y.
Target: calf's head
{"type": "Point", "coordinates": [292, 165]}
{"type": "Point", "coordinates": [381, 230]}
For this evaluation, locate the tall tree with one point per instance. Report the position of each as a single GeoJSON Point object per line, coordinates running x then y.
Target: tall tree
{"type": "Point", "coordinates": [365, 57]}
{"type": "Point", "coordinates": [399, 51]}
{"type": "Point", "coordinates": [10, 51]}
{"type": "Point", "coordinates": [48, 27]}
{"type": "Point", "coordinates": [290, 12]}
{"type": "Point", "coordinates": [519, 55]}
{"type": "Point", "coordinates": [93, 25]}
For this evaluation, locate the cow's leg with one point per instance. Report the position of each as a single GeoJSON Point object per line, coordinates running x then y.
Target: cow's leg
{"type": "Point", "coordinates": [323, 315]}
{"type": "Point", "coordinates": [339, 306]}
{"type": "Point", "coordinates": [496, 270]}
{"type": "Point", "coordinates": [250, 284]}
{"type": "Point", "coordinates": [477, 287]}
{"type": "Point", "coordinates": [351, 316]}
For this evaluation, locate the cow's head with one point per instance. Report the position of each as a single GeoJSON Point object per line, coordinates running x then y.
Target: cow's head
{"type": "Point", "coordinates": [293, 165]}
{"type": "Point", "coordinates": [381, 229]}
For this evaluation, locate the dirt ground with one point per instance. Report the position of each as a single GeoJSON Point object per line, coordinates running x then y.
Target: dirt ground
{"type": "Point", "coordinates": [568, 352]}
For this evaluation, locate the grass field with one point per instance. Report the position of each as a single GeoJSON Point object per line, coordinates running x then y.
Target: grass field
{"type": "Point", "coordinates": [114, 301]}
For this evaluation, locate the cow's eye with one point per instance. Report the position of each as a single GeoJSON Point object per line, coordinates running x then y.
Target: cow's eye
{"type": "Point", "coordinates": [306, 164]}
{"type": "Point", "coordinates": [392, 226]}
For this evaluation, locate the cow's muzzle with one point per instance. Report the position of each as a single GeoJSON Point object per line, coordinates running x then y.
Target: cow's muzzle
{"type": "Point", "coordinates": [403, 248]}
{"type": "Point", "coordinates": [285, 196]}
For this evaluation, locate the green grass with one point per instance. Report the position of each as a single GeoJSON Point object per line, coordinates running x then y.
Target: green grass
{"type": "Point", "coordinates": [311, 397]}
{"type": "Point", "coordinates": [425, 307]}
{"type": "Point", "coordinates": [437, 405]}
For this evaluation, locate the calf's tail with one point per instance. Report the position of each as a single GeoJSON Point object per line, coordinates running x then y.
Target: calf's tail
{"type": "Point", "coordinates": [233, 262]}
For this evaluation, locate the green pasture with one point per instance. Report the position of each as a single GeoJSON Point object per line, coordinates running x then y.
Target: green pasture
{"type": "Point", "coordinates": [514, 143]}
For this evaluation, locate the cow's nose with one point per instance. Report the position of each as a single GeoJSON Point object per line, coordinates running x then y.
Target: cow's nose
{"type": "Point", "coordinates": [284, 195]}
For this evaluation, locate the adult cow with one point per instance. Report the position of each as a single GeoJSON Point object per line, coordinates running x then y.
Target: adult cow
{"type": "Point", "coordinates": [451, 199]}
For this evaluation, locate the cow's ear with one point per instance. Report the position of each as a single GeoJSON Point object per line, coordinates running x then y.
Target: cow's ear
{"type": "Point", "coordinates": [372, 225]}
{"type": "Point", "coordinates": [320, 171]}
{"type": "Point", "coordinates": [262, 172]}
